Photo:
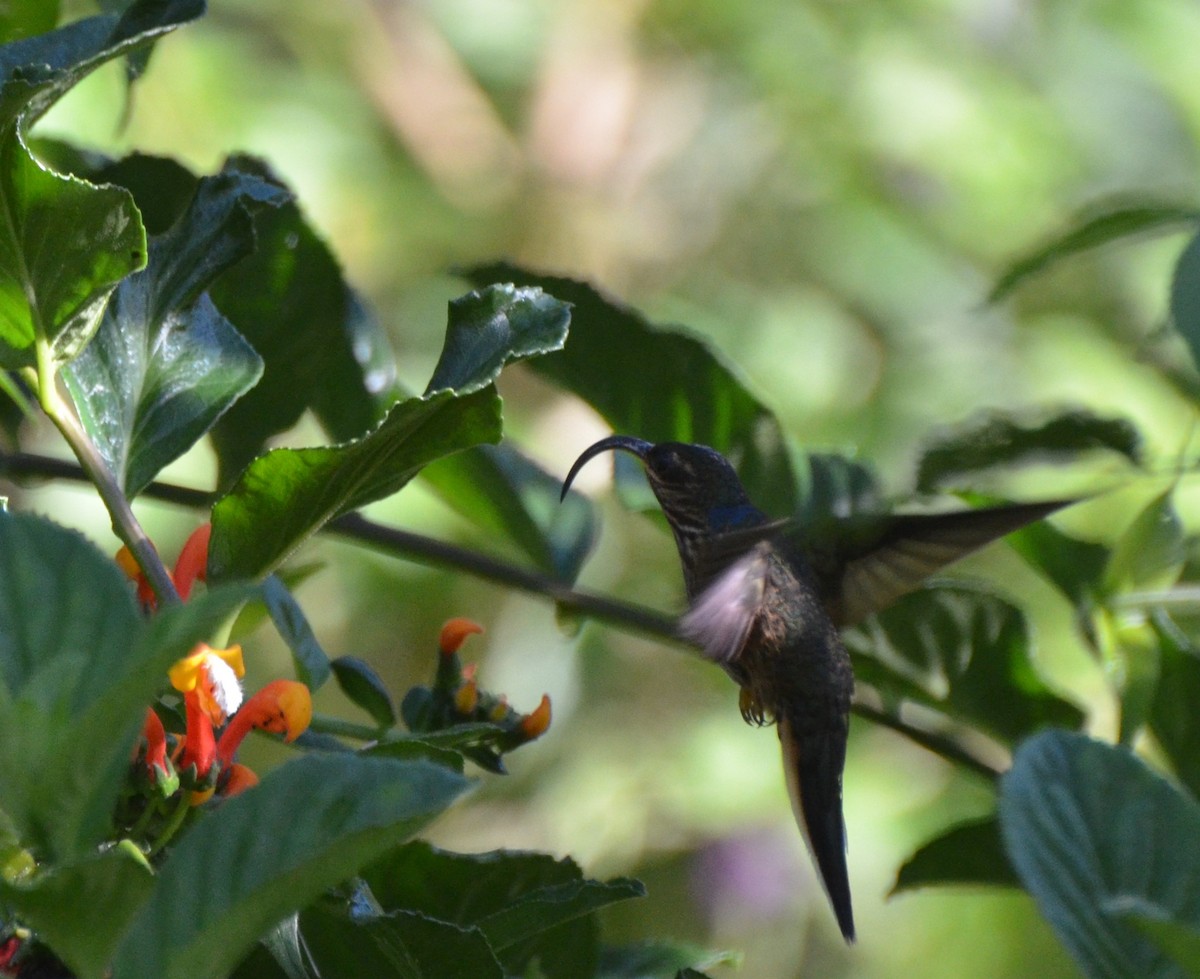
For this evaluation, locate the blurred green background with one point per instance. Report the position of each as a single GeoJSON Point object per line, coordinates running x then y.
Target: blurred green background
{"type": "Point", "coordinates": [827, 190]}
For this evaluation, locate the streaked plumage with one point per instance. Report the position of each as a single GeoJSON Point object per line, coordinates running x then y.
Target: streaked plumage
{"type": "Point", "coordinates": [766, 603]}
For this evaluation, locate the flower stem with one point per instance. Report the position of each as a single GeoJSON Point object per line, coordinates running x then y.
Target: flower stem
{"type": "Point", "coordinates": [174, 821]}
{"type": "Point", "coordinates": [125, 525]}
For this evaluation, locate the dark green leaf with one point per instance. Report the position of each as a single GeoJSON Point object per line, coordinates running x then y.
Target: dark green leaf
{"type": "Point", "coordinates": [1000, 440]}
{"type": "Point", "coordinates": [967, 653]}
{"type": "Point", "coordinates": [970, 853]}
{"type": "Point", "coordinates": [311, 823]}
{"type": "Point", "coordinates": [66, 243]}
{"type": "Point", "coordinates": [414, 747]}
{"type": "Point", "coordinates": [399, 945]}
{"type": "Point", "coordinates": [165, 364]}
{"type": "Point", "coordinates": [1100, 229]}
{"type": "Point", "coordinates": [513, 897]}
{"type": "Point", "coordinates": [1089, 827]}
{"type": "Point", "coordinates": [1174, 717]}
{"type": "Point", "coordinates": [322, 349]}
{"type": "Point", "coordinates": [491, 326]}
{"type": "Point", "coordinates": [506, 493]}
{"type": "Point", "coordinates": [80, 910]}
{"type": "Point", "coordinates": [660, 960]}
{"type": "Point", "coordinates": [362, 685]}
{"type": "Point", "coordinates": [1185, 297]}
{"type": "Point", "coordinates": [660, 385]}
{"type": "Point", "coordinates": [833, 486]}
{"type": "Point", "coordinates": [312, 665]}
{"type": "Point", "coordinates": [74, 685]}
{"type": "Point", "coordinates": [1180, 942]}
{"type": "Point", "coordinates": [289, 494]}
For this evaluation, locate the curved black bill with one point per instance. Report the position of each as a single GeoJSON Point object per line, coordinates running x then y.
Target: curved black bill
{"type": "Point", "coordinates": [639, 447]}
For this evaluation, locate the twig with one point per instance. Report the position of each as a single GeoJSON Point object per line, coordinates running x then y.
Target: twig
{"type": "Point", "coordinates": [402, 543]}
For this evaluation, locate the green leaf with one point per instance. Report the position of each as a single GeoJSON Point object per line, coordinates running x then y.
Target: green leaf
{"type": "Point", "coordinates": [528, 905]}
{"type": "Point", "coordinates": [1092, 232]}
{"type": "Point", "coordinates": [1185, 297]}
{"type": "Point", "coordinates": [506, 493]}
{"type": "Point", "coordinates": [64, 244]}
{"type": "Point", "coordinates": [660, 960]}
{"type": "Point", "coordinates": [263, 855]}
{"type": "Point", "coordinates": [1150, 553]}
{"type": "Point", "coordinates": [74, 685]}
{"type": "Point", "coordinates": [322, 349]}
{"type": "Point", "coordinates": [362, 685]}
{"type": "Point", "coordinates": [1074, 567]}
{"type": "Point", "coordinates": [661, 385]}
{"type": "Point", "coordinates": [998, 439]}
{"type": "Point", "coordinates": [1089, 827]}
{"type": "Point", "coordinates": [1173, 716]}
{"type": "Point", "coordinates": [288, 494]}
{"type": "Point", "coordinates": [491, 326]}
{"type": "Point", "coordinates": [24, 18]}
{"type": "Point", "coordinates": [964, 651]}
{"type": "Point", "coordinates": [80, 910]}
{"type": "Point", "coordinates": [1180, 942]}
{"type": "Point", "coordinates": [312, 664]}
{"type": "Point", "coordinates": [165, 364]}
{"type": "Point", "coordinates": [969, 853]}
{"type": "Point", "coordinates": [398, 945]}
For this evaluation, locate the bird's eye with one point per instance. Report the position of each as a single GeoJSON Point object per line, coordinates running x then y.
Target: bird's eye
{"type": "Point", "coordinates": [666, 463]}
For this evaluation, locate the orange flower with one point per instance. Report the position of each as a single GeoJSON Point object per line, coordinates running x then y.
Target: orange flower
{"type": "Point", "coordinates": [212, 675]}
{"type": "Point", "coordinates": [454, 634]}
{"type": "Point", "coordinates": [189, 568]}
{"type": "Point", "coordinates": [534, 725]}
{"type": "Point", "coordinates": [281, 707]}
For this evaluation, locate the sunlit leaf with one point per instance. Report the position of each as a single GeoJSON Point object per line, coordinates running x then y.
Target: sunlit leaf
{"type": "Point", "coordinates": [74, 685]}
{"type": "Point", "coordinates": [165, 364]}
{"type": "Point", "coordinates": [660, 384]}
{"type": "Point", "coordinates": [66, 243]}
{"type": "Point", "coordinates": [1150, 553]}
{"type": "Point", "coordinates": [287, 495]}
{"type": "Point", "coordinates": [1090, 827]}
{"type": "Point", "coordinates": [1073, 566]}
{"type": "Point", "coordinates": [268, 852]}
{"type": "Point", "coordinates": [1092, 232]}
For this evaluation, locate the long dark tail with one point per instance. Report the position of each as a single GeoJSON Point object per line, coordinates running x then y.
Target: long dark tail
{"type": "Point", "coordinates": [812, 764]}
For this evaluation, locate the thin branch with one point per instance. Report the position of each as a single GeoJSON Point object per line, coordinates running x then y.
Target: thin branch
{"type": "Point", "coordinates": [426, 550]}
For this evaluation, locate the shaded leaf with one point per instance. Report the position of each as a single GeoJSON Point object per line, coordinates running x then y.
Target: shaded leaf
{"type": "Point", "coordinates": [80, 910]}
{"type": "Point", "coordinates": [505, 492]}
{"type": "Point", "coordinates": [398, 945]}
{"type": "Point", "coordinates": [1180, 942]}
{"type": "Point", "coordinates": [1174, 717]}
{"type": "Point", "coordinates": [362, 685]}
{"type": "Point", "coordinates": [287, 495]}
{"type": "Point", "coordinates": [24, 18]}
{"type": "Point", "coordinates": [321, 347]}
{"type": "Point", "coordinates": [999, 439]}
{"type": "Point", "coordinates": [1089, 827]}
{"type": "Point", "coordinates": [354, 810]}
{"type": "Point", "coordinates": [969, 853]}
{"type": "Point", "coordinates": [528, 905]}
{"type": "Point", "coordinates": [964, 651]}
{"type": "Point", "coordinates": [312, 664]}
{"type": "Point", "coordinates": [1150, 553]}
{"type": "Point", "coordinates": [164, 364]}
{"type": "Point", "coordinates": [1185, 297]}
{"type": "Point", "coordinates": [1074, 567]}
{"type": "Point", "coordinates": [659, 384]}
{"type": "Point", "coordinates": [1092, 232]}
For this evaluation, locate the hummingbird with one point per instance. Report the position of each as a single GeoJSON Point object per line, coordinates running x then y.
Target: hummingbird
{"type": "Point", "coordinates": [766, 602]}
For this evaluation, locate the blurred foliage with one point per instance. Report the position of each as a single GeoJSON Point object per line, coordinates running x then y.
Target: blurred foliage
{"type": "Point", "coordinates": [827, 194]}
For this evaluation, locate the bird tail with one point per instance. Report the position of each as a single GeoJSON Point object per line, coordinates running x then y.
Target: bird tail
{"type": "Point", "coordinates": [812, 765]}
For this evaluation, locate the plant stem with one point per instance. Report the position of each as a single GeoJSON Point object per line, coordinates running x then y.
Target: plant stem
{"type": "Point", "coordinates": [948, 744]}
{"type": "Point", "coordinates": [125, 525]}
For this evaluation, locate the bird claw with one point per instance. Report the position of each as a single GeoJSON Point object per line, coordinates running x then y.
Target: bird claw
{"type": "Point", "coordinates": [751, 707]}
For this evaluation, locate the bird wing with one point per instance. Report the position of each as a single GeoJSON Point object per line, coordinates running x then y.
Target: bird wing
{"type": "Point", "coordinates": [720, 619]}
